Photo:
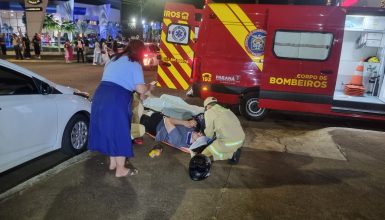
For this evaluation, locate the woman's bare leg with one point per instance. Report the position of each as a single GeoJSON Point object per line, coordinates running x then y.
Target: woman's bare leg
{"type": "Point", "coordinates": [121, 170]}
{"type": "Point", "coordinates": [112, 163]}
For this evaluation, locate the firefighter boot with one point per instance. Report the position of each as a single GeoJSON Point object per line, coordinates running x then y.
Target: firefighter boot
{"type": "Point", "coordinates": [235, 159]}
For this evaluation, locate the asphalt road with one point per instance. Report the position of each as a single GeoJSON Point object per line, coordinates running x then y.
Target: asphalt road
{"type": "Point", "coordinates": [293, 166]}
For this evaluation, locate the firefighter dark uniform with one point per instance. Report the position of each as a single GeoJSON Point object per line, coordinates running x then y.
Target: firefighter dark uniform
{"type": "Point", "coordinates": [227, 129]}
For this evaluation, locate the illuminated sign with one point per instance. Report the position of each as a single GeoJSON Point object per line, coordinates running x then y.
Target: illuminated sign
{"type": "Point", "coordinates": [301, 80]}
{"type": "Point", "coordinates": [176, 14]}
{"type": "Point", "coordinates": [33, 9]}
{"type": "Point", "coordinates": [34, 2]}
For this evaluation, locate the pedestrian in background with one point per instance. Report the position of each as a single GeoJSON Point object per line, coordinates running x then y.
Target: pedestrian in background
{"type": "Point", "coordinates": [105, 52]}
{"type": "Point", "coordinates": [68, 51]}
{"type": "Point", "coordinates": [16, 43]}
{"type": "Point", "coordinates": [80, 49]}
{"type": "Point", "coordinates": [97, 53]}
{"type": "Point", "coordinates": [3, 45]}
{"type": "Point", "coordinates": [86, 44]}
{"type": "Point", "coordinates": [36, 40]}
{"type": "Point", "coordinates": [27, 47]}
{"type": "Point", "coordinates": [114, 47]}
{"type": "Point", "coordinates": [111, 113]}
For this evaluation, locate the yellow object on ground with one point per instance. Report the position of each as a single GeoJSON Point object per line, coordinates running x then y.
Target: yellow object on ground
{"type": "Point", "coordinates": [155, 152]}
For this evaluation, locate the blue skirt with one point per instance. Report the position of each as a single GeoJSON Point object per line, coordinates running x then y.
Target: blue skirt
{"type": "Point", "coordinates": [110, 123]}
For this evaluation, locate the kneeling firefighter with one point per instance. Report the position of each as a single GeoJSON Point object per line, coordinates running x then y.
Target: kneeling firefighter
{"type": "Point", "coordinates": [225, 126]}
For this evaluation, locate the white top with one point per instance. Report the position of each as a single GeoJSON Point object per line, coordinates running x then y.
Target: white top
{"type": "Point", "coordinates": [97, 47]}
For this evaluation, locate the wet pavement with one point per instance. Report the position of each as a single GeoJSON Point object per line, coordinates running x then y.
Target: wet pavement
{"type": "Point", "coordinates": [291, 167]}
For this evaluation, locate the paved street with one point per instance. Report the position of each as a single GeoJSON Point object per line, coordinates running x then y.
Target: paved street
{"type": "Point", "coordinates": [292, 167]}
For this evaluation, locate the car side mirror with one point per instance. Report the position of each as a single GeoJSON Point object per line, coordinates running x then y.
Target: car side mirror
{"type": "Point", "coordinates": [46, 88]}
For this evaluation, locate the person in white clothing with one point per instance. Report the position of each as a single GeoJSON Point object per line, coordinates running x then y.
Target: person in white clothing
{"type": "Point", "coordinates": [97, 54]}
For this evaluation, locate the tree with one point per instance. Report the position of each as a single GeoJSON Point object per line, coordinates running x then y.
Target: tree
{"type": "Point", "coordinates": [68, 27]}
{"type": "Point", "coordinates": [82, 27]}
{"type": "Point", "coordinates": [55, 25]}
{"type": "Point", "coordinates": [50, 23]}
{"type": "Point", "coordinates": [113, 29]}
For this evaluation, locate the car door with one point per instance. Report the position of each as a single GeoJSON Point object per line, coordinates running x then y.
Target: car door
{"type": "Point", "coordinates": [28, 119]}
{"type": "Point", "coordinates": [302, 54]}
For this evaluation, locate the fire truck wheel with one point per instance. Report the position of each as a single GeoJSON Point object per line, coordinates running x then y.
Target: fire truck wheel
{"type": "Point", "coordinates": [249, 107]}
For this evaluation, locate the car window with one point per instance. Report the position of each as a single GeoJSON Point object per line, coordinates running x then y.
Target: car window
{"type": "Point", "coordinates": [14, 83]}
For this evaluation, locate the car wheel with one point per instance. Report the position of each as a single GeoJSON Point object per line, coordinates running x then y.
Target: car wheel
{"type": "Point", "coordinates": [249, 107]}
{"type": "Point", "coordinates": [75, 136]}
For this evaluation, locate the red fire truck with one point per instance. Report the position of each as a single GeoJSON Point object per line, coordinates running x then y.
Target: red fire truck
{"type": "Point", "coordinates": [283, 57]}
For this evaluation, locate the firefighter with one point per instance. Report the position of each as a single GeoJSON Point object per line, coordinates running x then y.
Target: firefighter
{"type": "Point", "coordinates": [222, 124]}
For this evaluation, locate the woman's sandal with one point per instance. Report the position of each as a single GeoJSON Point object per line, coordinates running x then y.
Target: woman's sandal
{"type": "Point", "coordinates": [132, 172]}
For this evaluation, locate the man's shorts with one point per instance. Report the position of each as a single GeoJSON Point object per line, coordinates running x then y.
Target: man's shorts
{"type": "Point", "coordinates": [179, 136]}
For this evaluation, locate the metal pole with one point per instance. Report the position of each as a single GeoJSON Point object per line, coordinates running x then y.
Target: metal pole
{"type": "Point", "coordinates": [141, 11]}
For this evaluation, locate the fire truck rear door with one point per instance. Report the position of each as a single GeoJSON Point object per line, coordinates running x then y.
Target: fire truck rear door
{"type": "Point", "coordinates": [176, 46]}
{"type": "Point", "coordinates": [302, 54]}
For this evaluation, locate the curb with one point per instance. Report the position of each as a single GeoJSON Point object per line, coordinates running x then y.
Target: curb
{"type": "Point", "coordinates": [19, 189]}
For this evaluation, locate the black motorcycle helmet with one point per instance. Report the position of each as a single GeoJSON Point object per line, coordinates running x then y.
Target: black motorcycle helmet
{"type": "Point", "coordinates": [199, 167]}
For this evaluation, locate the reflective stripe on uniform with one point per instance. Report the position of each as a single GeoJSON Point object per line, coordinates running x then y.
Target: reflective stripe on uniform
{"type": "Point", "coordinates": [234, 143]}
{"type": "Point", "coordinates": [216, 152]}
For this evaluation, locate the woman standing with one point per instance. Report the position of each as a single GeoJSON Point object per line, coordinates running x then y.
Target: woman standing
{"type": "Point", "coordinates": [27, 47]}
{"type": "Point", "coordinates": [111, 113]}
{"type": "Point", "coordinates": [36, 45]}
{"type": "Point", "coordinates": [3, 44]}
{"type": "Point", "coordinates": [17, 43]}
{"type": "Point", "coordinates": [97, 53]}
{"type": "Point", "coordinates": [68, 51]}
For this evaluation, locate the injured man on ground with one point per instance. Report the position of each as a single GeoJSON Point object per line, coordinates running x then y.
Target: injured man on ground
{"type": "Point", "coordinates": [171, 120]}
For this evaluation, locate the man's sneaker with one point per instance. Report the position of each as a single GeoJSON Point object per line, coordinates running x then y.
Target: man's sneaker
{"type": "Point", "coordinates": [235, 159]}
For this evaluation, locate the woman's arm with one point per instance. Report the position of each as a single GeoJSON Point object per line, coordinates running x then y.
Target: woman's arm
{"type": "Point", "coordinates": [143, 89]}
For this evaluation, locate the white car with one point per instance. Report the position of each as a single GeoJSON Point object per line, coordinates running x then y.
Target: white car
{"type": "Point", "coordinates": [38, 116]}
